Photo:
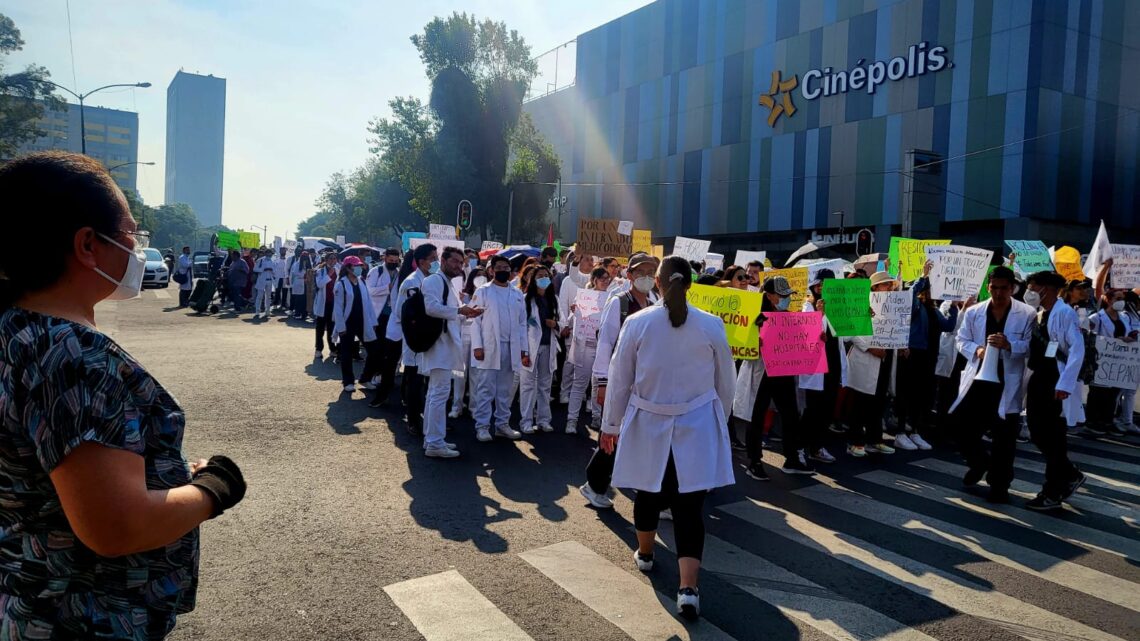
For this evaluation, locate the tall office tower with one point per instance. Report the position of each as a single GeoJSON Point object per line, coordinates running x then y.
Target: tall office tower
{"type": "Point", "coordinates": [195, 144]}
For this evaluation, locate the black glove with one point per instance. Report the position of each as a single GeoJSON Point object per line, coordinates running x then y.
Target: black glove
{"type": "Point", "coordinates": [222, 480]}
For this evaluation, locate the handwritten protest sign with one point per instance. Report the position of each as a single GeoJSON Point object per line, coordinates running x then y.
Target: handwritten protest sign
{"type": "Point", "coordinates": [744, 257]}
{"type": "Point", "coordinates": [406, 238]}
{"type": "Point", "coordinates": [588, 305]}
{"type": "Point", "coordinates": [957, 272]}
{"type": "Point", "coordinates": [1117, 362]}
{"type": "Point", "coordinates": [228, 240]}
{"type": "Point", "coordinates": [908, 255]}
{"type": "Point", "coordinates": [891, 322]}
{"type": "Point", "coordinates": [691, 248]}
{"type": "Point", "coordinates": [738, 309]}
{"type": "Point", "coordinates": [1125, 266]}
{"type": "Point", "coordinates": [625, 227]}
{"type": "Point", "coordinates": [847, 305]}
{"type": "Point", "coordinates": [1031, 256]}
{"type": "Point", "coordinates": [441, 231]}
{"type": "Point", "coordinates": [439, 243]}
{"type": "Point", "coordinates": [1068, 262]}
{"type": "Point", "coordinates": [714, 261]}
{"type": "Point", "coordinates": [490, 244]}
{"type": "Point", "coordinates": [642, 241]}
{"type": "Point", "coordinates": [797, 278]}
{"type": "Point", "coordinates": [249, 239]}
{"type": "Point", "coordinates": [792, 344]}
{"type": "Point", "coordinates": [600, 237]}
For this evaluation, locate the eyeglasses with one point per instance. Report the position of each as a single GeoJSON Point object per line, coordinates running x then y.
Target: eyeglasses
{"type": "Point", "coordinates": [742, 278]}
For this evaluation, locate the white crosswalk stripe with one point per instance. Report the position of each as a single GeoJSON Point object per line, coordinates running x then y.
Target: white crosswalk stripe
{"type": "Point", "coordinates": [1094, 480]}
{"type": "Point", "coordinates": [161, 294]}
{"type": "Point", "coordinates": [445, 607]}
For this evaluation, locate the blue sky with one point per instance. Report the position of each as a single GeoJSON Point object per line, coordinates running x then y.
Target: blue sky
{"type": "Point", "coordinates": [303, 76]}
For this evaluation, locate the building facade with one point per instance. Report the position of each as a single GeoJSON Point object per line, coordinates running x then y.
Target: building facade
{"type": "Point", "coordinates": [112, 138]}
{"type": "Point", "coordinates": [755, 123]}
{"type": "Point", "coordinates": [195, 144]}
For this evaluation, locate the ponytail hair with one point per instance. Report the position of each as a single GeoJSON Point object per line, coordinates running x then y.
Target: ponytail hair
{"type": "Point", "coordinates": [676, 276]}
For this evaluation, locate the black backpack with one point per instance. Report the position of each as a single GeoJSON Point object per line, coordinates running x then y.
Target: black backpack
{"type": "Point", "coordinates": [420, 330]}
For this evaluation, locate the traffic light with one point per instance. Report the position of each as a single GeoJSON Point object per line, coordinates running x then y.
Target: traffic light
{"type": "Point", "coordinates": [864, 242]}
{"type": "Point", "coordinates": [463, 215]}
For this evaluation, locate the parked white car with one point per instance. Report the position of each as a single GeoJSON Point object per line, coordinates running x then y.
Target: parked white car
{"type": "Point", "coordinates": [156, 274]}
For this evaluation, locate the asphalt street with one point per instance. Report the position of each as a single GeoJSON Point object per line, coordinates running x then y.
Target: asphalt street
{"type": "Point", "coordinates": [349, 532]}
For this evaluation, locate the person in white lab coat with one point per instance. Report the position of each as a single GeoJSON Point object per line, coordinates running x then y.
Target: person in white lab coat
{"type": "Point", "coordinates": [1110, 321]}
{"type": "Point", "coordinates": [576, 278]}
{"type": "Point", "coordinates": [671, 432]}
{"type": "Point", "coordinates": [299, 267]}
{"type": "Point", "coordinates": [424, 257]}
{"type": "Point", "coordinates": [871, 377]}
{"type": "Point", "coordinates": [383, 280]}
{"type": "Point", "coordinates": [1003, 324]}
{"type": "Point", "coordinates": [1056, 352]}
{"type": "Point", "coordinates": [537, 374]}
{"type": "Point", "coordinates": [498, 347]}
{"type": "Point", "coordinates": [325, 276]}
{"type": "Point", "coordinates": [475, 279]}
{"type": "Point", "coordinates": [281, 276]}
{"type": "Point", "coordinates": [352, 319]}
{"type": "Point", "coordinates": [822, 390]}
{"type": "Point", "coordinates": [583, 350]}
{"type": "Point", "coordinates": [441, 300]}
{"type": "Point", "coordinates": [185, 266]}
{"type": "Point", "coordinates": [263, 272]}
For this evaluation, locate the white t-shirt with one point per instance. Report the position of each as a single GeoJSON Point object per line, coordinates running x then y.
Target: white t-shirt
{"type": "Point", "coordinates": [499, 300]}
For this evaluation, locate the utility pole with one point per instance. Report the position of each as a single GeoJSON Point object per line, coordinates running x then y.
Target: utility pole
{"type": "Point", "coordinates": [510, 214]}
{"type": "Point", "coordinates": [83, 96]}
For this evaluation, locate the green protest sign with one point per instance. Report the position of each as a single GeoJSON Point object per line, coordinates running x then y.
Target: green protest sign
{"type": "Point", "coordinates": [228, 240]}
{"type": "Point", "coordinates": [1031, 256]}
{"type": "Point", "coordinates": [847, 306]}
{"type": "Point", "coordinates": [984, 293]}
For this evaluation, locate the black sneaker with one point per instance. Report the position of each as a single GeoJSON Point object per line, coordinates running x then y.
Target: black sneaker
{"type": "Point", "coordinates": [1043, 503]}
{"type": "Point", "coordinates": [737, 445]}
{"type": "Point", "coordinates": [1074, 485]}
{"type": "Point", "coordinates": [1091, 430]}
{"type": "Point", "coordinates": [998, 495]}
{"type": "Point", "coordinates": [838, 428]}
{"type": "Point", "coordinates": [797, 465]}
{"type": "Point", "coordinates": [415, 429]}
{"type": "Point", "coordinates": [756, 471]}
{"type": "Point", "coordinates": [973, 475]}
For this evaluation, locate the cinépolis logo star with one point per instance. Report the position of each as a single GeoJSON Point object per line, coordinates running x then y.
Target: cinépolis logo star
{"type": "Point", "coordinates": [776, 103]}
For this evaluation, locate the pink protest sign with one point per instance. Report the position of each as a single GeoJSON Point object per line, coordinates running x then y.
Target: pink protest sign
{"type": "Point", "coordinates": [791, 343]}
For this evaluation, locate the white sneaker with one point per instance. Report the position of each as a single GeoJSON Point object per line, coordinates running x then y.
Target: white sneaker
{"type": "Point", "coordinates": [903, 442]}
{"type": "Point", "coordinates": [441, 452]}
{"type": "Point", "coordinates": [482, 434]}
{"type": "Point", "coordinates": [920, 442]}
{"type": "Point", "coordinates": [571, 428]}
{"type": "Point", "coordinates": [600, 501]}
{"type": "Point", "coordinates": [529, 429]}
{"type": "Point", "coordinates": [508, 432]}
{"type": "Point", "coordinates": [450, 446]}
{"type": "Point", "coordinates": [350, 388]}
{"type": "Point", "coordinates": [318, 354]}
{"type": "Point", "coordinates": [689, 604]}
{"type": "Point", "coordinates": [1131, 428]}
{"type": "Point", "coordinates": [666, 515]}
{"type": "Point", "coordinates": [369, 385]}
{"type": "Point", "coordinates": [546, 427]}
{"type": "Point", "coordinates": [455, 413]}
{"type": "Point", "coordinates": [823, 456]}
{"type": "Point", "coordinates": [645, 565]}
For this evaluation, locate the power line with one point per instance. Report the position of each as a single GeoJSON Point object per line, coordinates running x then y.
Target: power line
{"type": "Point", "coordinates": [71, 45]}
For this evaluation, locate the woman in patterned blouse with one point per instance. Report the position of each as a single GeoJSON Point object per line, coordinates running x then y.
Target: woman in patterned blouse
{"type": "Point", "coordinates": [99, 511]}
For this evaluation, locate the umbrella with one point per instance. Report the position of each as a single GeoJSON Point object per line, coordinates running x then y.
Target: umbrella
{"type": "Point", "coordinates": [355, 247]}
{"type": "Point", "coordinates": [806, 249]}
{"type": "Point", "coordinates": [871, 260]}
{"type": "Point", "coordinates": [515, 250]}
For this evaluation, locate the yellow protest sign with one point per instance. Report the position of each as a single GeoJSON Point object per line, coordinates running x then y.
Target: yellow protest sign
{"type": "Point", "coordinates": [642, 241]}
{"type": "Point", "coordinates": [249, 239]}
{"type": "Point", "coordinates": [658, 251]}
{"type": "Point", "coordinates": [1067, 260]}
{"type": "Point", "coordinates": [798, 279]}
{"type": "Point", "coordinates": [738, 309]}
{"type": "Point", "coordinates": [912, 256]}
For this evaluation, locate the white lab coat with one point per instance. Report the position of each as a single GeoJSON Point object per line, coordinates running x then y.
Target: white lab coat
{"type": "Point", "coordinates": [186, 266]}
{"type": "Point", "coordinates": [972, 335]}
{"type": "Point", "coordinates": [748, 380]}
{"type": "Point", "coordinates": [343, 296]}
{"type": "Point", "coordinates": [1101, 325]}
{"type": "Point", "coordinates": [263, 268]}
{"type": "Point", "coordinates": [864, 367]}
{"type": "Point", "coordinates": [378, 280]}
{"type": "Point", "coordinates": [1065, 330]}
{"type": "Point", "coordinates": [281, 268]}
{"type": "Point", "coordinates": [608, 329]}
{"type": "Point", "coordinates": [485, 331]}
{"type": "Point", "coordinates": [321, 280]}
{"type": "Point", "coordinates": [947, 344]}
{"type": "Point", "coordinates": [534, 339]}
{"type": "Point", "coordinates": [296, 276]}
{"type": "Point", "coordinates": [815, 381]}
{"type": "Point", "coordinates": [394, 331]}
{"type": "Point", "coordinates": [655, 411]}
{"type": "Point", "coordinates": [567, 292]}
{"type": "Point", "coordinates": [447, 352]}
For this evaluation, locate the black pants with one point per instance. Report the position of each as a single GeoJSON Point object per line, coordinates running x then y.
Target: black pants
{"type": "Point", "coordinates": [390, 352]}
{"type": "Point", "coordinates": [819, 408]}
{"type": "Point", "coordinates": [866, 421]}
{"type": "Point", "coordinates": [279, 293]}
{"type": "Point", "coordinates": [688, 519]}
{"type": "Point", "coordinates": [413, 390]}
{"type": "Point", "coordinates": [600, 471]}
{"type": "Point", "coordinates": [915, 394]}
{"type": "Point", "coordinates": [325, 330]}
{"type": "Point", "coordinates": [1047, 429]}
{"type": "Point", "coordinates": [299, 306]}
{"type": "Point", "coordinates": [347, 350]}
{"type": "Point", "coordinates": [780, 390]}
{"type": "Point", "coordinates": [1100, 407]}
{"type": "Point", "coordinates": [183, 296]}
{"type": "Point", "coordinates": [977, 414]}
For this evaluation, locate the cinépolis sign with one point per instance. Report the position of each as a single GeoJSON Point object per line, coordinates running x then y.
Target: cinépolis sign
{"type": "Point", "coordinates": [920, 60]}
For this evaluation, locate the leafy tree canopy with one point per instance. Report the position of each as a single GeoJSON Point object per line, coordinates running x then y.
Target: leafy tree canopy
{"type": "Point", "coordinates": [23, 95]}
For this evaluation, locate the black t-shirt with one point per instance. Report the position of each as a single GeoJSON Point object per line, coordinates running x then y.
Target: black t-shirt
{"type": "Point", "coordinates": [355, 318]}
{"type": "Point", "coordinates": [543, 315]}
{"type": "Point", "coordinates": [1038, 344]}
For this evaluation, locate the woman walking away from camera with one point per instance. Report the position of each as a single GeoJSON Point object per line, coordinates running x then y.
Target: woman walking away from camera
{"type": "Point", "coordinates": [100, 509]}
{"type": "Point", "coordinates": [672, 441]}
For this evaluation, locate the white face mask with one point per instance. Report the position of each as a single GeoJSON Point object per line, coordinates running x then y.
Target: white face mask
{"type": "Point", "coordinates": [1032, 298]}
{"type": "Point", "coordinates": [479, 281]}
{"type": "Point", "coordinates": [644, 284]}
{"type": "Point", "coordinates": [1118, 306]}
{"type": "Point", "coordinates": [131, 284]}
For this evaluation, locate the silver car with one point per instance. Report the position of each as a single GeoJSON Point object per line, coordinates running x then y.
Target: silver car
{"type": "Point", "coordinates": [156, 274]}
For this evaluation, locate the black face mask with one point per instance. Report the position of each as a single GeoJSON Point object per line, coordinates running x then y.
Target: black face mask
{"type": "Point", "coordinates": [393, 266]}
{"type": "Point", "coordinates": [502, 277]}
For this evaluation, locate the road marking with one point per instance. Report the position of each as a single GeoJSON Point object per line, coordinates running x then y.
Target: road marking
{"type": "Point", "coordinates": [1093, 479]}
{"type": "Point", "coordinates": [445, 607]}
{"type": "Point", "coordinates": [795, 596]}
{"type": "Point", "coordinates": [1116, 447]}
{"type": "Point", "coordinates": [1082, 501]}
{"type": "Point", "coordinates": [620, 597]}
{"type": "Point", "coordinates": [1011, 555]}
{"type": "Point", "coordinates": [1105, 463]}
{"type": "Point", "coordinates": [161, 294]}
{"type": "Point", "coordinates": [976, 600]}
{"type": "Point", "coordinates": [1071, 532]}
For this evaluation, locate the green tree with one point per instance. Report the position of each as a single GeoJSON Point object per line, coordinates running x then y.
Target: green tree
{"type": "Point", "coordinates": [141, 212]}
{"type": "Point", "coordinates": [23, 95]}
{"type": "Point", "coordinates": [532, 176]}
{"type": "Point", "coordinates": [175, 226]}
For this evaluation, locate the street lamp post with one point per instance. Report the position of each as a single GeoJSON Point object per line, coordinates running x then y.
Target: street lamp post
{"type": "Point", "coordinates": [81, 97]}
{"type": "Point", "coordinates": [264, 233]}
{"type": "Point", "coordinates": [126, 164]}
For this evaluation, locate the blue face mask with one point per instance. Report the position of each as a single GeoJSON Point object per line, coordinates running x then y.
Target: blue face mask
{"type": "Point", "coordinates": [472, 263]}
{"type": "Point", "coordinates": [434, 267]}
{"type": "Point", "coordinates": [358, 270]}
{"type": "Point", "coordinates": [542, 283]}
{"type": "Point", "coordinates": [782, 306]}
